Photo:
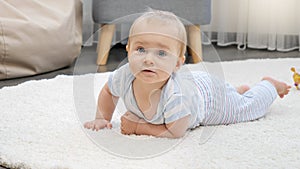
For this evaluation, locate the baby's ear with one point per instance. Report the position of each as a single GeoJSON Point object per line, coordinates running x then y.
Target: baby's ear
{"type": "Point", "coordinates": [127, 47]}
{"type": "Point", "coordinates": [182, 59]}
{"type": "Point", "coordinates": [180, 62]}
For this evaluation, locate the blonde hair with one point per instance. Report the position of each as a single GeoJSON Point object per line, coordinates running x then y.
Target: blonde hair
{"type": "Point", "coordinates": [166, 18]}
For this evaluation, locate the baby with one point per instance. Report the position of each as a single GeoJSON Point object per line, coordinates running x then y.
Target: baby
{"type": "Point", "coordinates": [162, 100]}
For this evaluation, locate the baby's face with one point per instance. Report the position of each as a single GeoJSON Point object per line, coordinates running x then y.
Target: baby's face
{"type": "Point", "coordinates": [153, 52]}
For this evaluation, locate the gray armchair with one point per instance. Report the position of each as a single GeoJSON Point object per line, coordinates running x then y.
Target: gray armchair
{"type": "Point", "coordinates": [196, 12]}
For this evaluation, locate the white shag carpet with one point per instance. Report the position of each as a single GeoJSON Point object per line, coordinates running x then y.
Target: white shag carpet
{"type": "Point", "coordinates": [39, 128]}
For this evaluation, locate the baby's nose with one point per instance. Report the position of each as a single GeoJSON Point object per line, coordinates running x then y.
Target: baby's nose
{"type": "Point", "coordinates": [149, 58]}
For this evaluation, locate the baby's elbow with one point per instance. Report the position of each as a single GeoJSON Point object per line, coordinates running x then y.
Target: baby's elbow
{"type": "Point", "coordinates": [178, 128]}
{"type": "Point", "coordinates": [178, 134]}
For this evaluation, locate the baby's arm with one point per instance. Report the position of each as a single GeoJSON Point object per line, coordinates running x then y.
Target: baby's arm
{"type": "Point", "coordinates": [105, 108]}
{"type": "Point", "coordinates": [174, 129]}
{"type": "Point", "coordinates": [134, 125]}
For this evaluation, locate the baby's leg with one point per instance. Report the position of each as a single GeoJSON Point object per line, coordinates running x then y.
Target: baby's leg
{"type": "Point", "coordinates": [230, 105]}
{"type": "Point", "coordinates": [281, 87]}
{"type": "Point", "coordinates": [227, 104]}
{"type": "Point", "coordinates": [250, 105]}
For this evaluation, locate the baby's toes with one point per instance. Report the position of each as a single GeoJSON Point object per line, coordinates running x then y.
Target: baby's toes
{"type": "Point", "coordinates": [87, 125]}
{"type": "Point", "coordinates": [97, 127]}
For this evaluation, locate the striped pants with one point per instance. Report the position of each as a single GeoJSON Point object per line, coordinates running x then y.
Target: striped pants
{"type": "Point", "coordinates": [224, 105]}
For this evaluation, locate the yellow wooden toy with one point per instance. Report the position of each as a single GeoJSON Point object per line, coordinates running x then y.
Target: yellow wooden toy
{"type": "Point", "coordinates": [296, 77]}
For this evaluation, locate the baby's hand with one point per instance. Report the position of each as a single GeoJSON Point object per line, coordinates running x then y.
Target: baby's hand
{"type": "Point", "coordinates": [129, 123]}
{"type": "Point", "coordinates": [98, 124]}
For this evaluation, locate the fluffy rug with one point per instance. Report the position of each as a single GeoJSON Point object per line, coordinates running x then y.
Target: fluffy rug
{"type": "Point", "coordinates": [41, 127]}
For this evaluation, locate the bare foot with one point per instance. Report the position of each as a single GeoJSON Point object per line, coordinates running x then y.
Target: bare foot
{"type": "Point", "coordinates": [242, 89]}
{"type": "Point", "coordinates": [281, 87]}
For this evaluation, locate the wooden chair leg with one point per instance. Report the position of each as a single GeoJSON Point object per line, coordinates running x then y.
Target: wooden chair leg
{"type": "Point", "coordinates": [104, 42]}
{"type": "Point", "coordinates": [194, 42]}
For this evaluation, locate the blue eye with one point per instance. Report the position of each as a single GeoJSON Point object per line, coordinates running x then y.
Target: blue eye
{"type": "Point", "coordinates": [141, 50]}
{"type": "Point", "coordinates": [162, 53]}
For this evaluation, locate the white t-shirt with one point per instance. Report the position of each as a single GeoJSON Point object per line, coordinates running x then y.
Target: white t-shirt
{"type": "Point", "coordinates": [179, 97]}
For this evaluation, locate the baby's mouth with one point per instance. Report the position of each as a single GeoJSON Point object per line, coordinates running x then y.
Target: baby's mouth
{"type": "Point", "coordinates": [148, 70]}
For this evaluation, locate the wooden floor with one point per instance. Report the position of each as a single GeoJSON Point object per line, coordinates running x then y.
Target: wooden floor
{"type": "Point", "coordinates": [86, 62]}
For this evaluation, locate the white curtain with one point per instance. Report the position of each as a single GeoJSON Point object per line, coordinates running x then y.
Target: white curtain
{"type": "Point", "coordinates": [263, 24]}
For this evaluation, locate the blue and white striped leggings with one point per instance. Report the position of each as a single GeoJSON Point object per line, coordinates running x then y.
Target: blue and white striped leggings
{"type": "Point", "coordinates": [224, 105]}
